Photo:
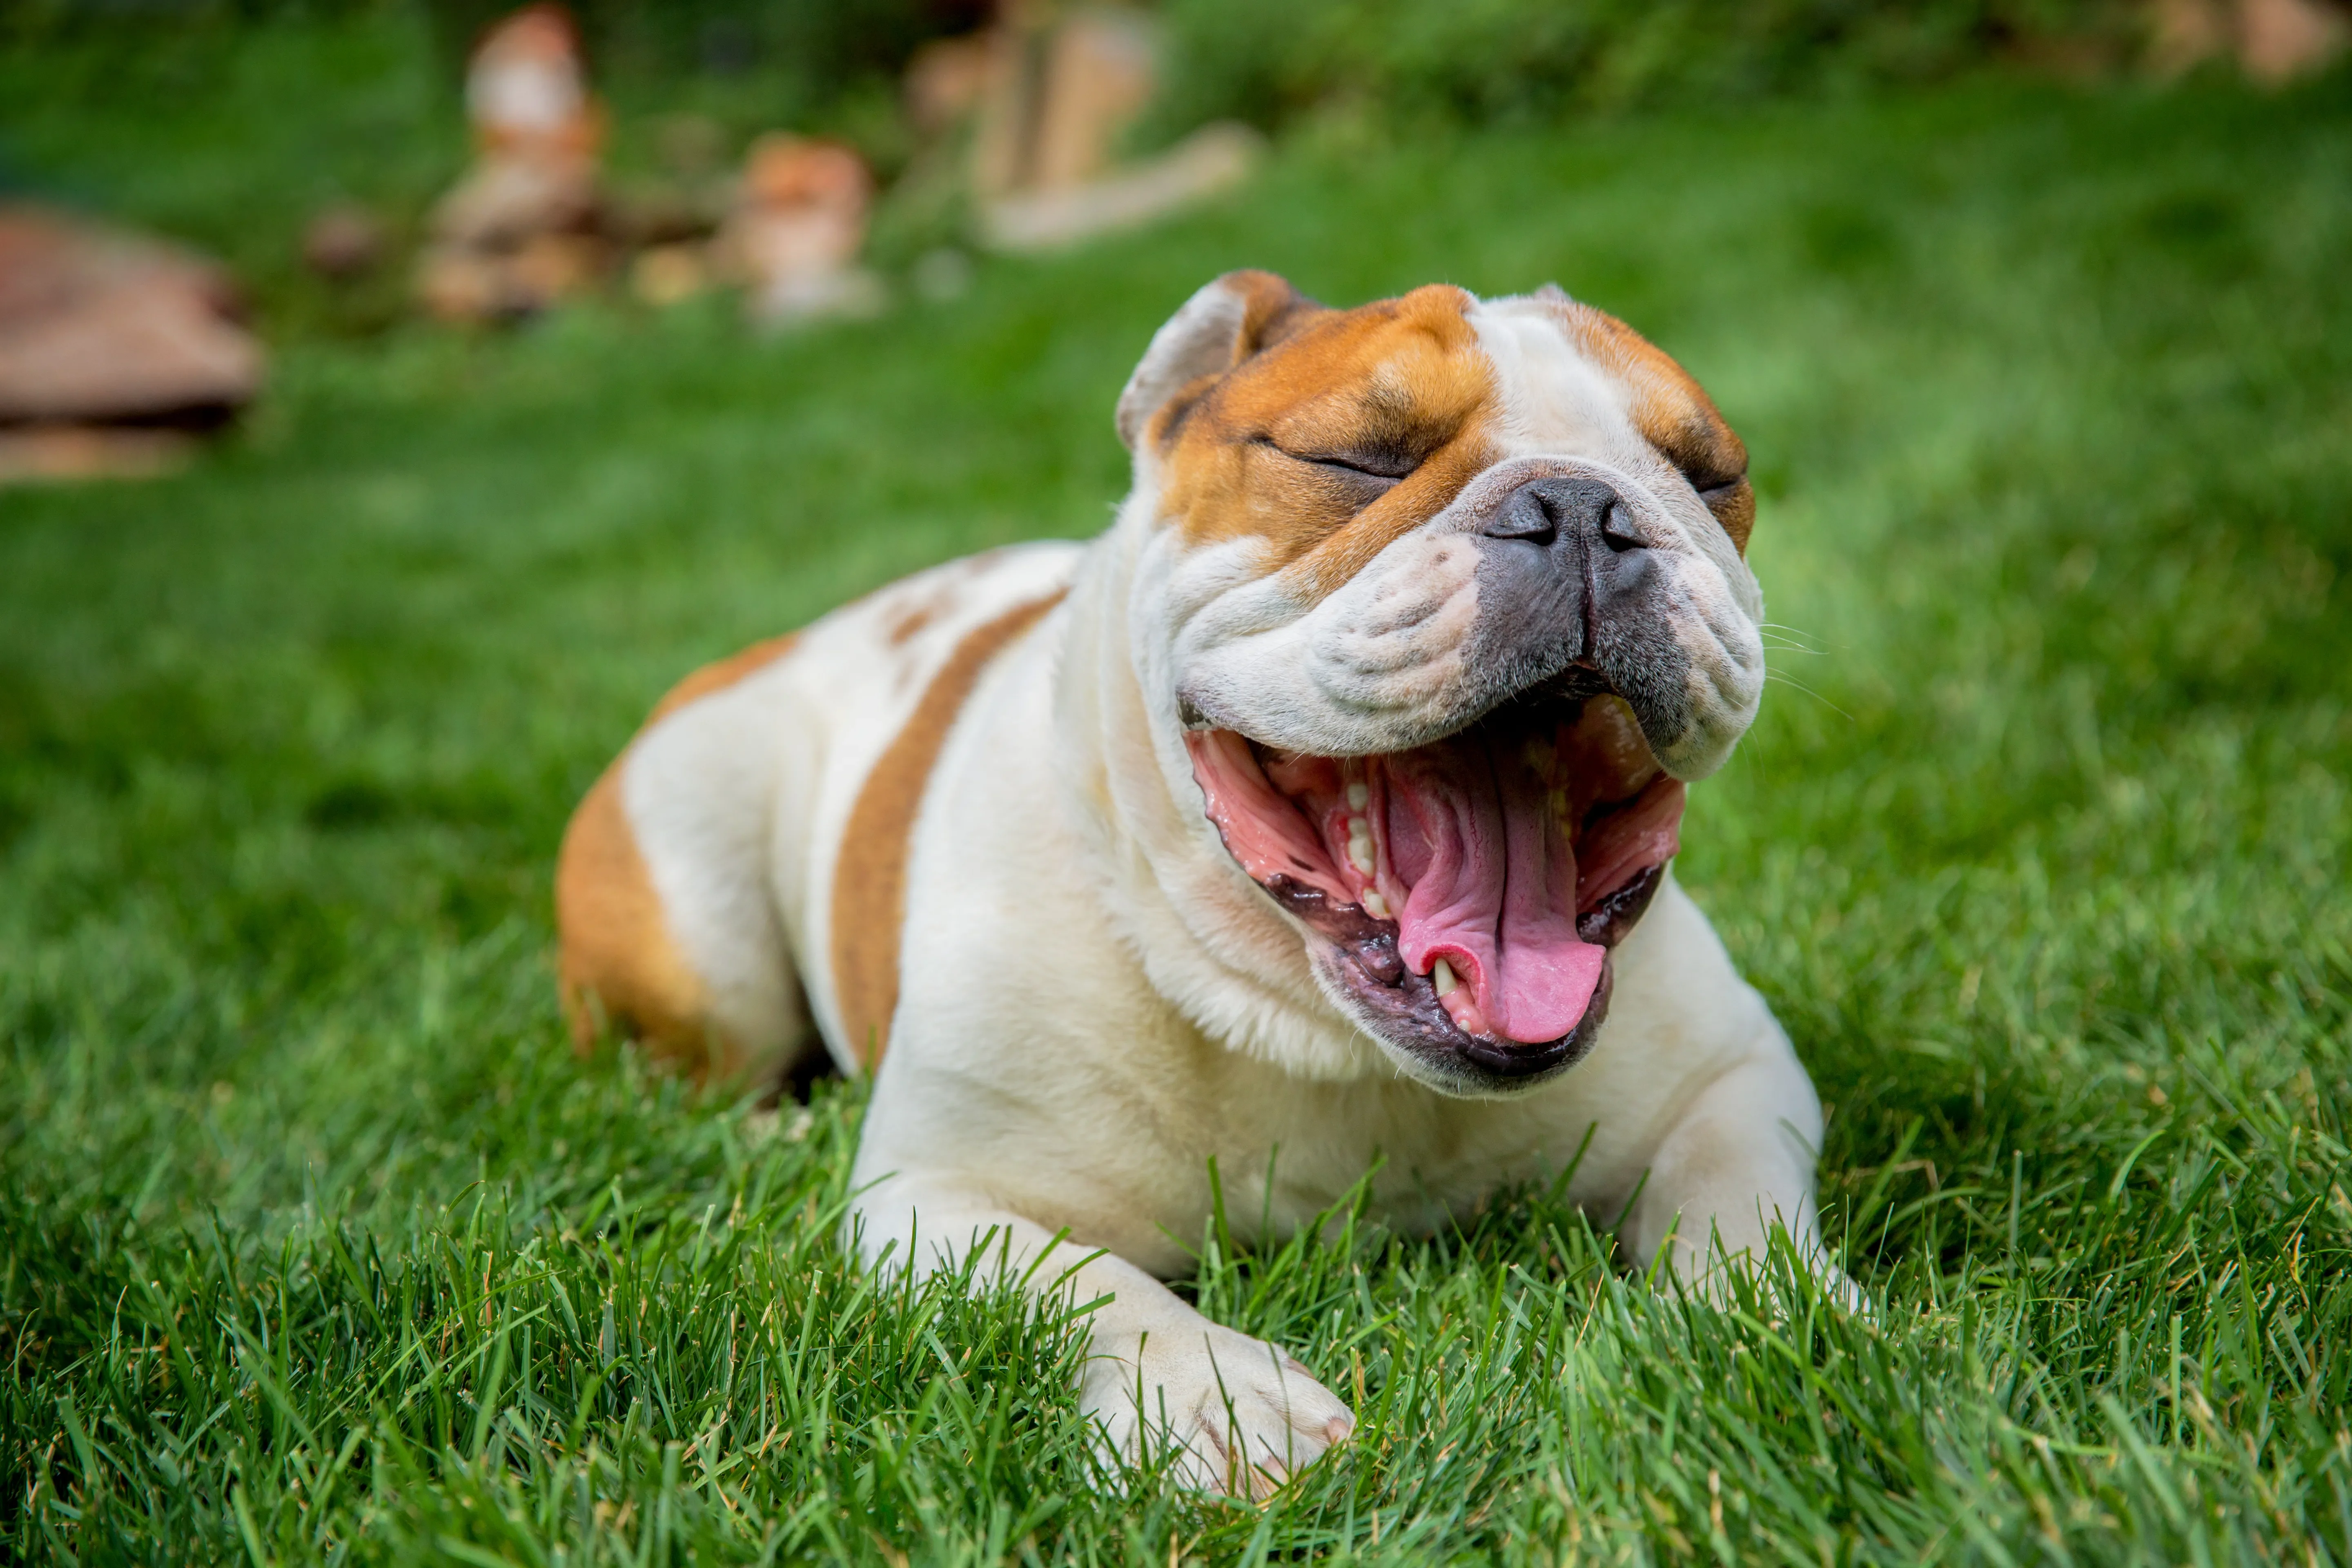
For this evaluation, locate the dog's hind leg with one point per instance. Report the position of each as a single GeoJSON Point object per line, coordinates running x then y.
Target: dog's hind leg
{"type": "Point", "coordinates": [669, 932]}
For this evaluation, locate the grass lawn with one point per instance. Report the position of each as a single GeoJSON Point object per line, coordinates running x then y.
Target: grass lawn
{"type": "Point", "coordinates": [317, 1242]}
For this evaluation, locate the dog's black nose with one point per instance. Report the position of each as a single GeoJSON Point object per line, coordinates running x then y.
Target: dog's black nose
{"type": "Point", "coordinates": [1543, 511]}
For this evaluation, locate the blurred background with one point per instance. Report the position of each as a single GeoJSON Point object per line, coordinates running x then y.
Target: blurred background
{"type": "Point", "coordinates": [395, 397]}
{"type": "Point", "coordinates": [337, 170]}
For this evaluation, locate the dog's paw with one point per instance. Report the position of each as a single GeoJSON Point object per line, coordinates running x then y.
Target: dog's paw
{"type": "Point", "coordinates": [1242, 1416]}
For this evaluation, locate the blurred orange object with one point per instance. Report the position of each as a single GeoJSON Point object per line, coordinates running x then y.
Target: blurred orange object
{"type": "Point", "coordinates": [797, 227]}
{"type": "Point", "coordinates": [523, 228]}
{"type": "Point", "coordinates": [526, 93]}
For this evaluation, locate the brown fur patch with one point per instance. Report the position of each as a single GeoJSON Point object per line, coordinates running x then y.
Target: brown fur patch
{"type": "Point", "coordinates": [1673, 413]}
{"type": "Point", "coordinates": [618, 962]}
{"type": "Point", "coordinates": [869, 877]}
{"type": "Point", "coordinates": [1299, 445]}
{"type": "Point", "coordinates": [720, 674]}
{"type": "Point", "coordinates": [910, 620]}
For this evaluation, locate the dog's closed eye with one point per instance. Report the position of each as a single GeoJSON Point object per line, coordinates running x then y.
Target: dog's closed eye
{"type": "Point", "coordinates": [1371, 470]}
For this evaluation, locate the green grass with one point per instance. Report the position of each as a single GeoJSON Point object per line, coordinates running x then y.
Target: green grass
{"type": "Point", "coordinates": [316, 1243]}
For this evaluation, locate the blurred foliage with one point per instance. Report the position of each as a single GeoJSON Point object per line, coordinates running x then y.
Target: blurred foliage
{"type": "Point", "coordinates": [823, 48]}
{"type": "Point", "coordinates": [1480, 61]}
{"type": "Point", "coordinates": [818, 50]}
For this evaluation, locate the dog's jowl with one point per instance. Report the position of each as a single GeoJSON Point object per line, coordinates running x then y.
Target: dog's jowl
{"type": "Point", "coordinates": [1316, 816]}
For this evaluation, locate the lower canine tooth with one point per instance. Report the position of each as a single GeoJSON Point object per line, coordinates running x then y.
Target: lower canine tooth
{"type": "Point", "coordinates": [1441, 975]}
{"type": "Point", "coordinates": [1376, 906]}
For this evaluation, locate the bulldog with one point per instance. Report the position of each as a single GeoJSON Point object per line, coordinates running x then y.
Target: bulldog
{"type": "Point", "coordinates": [1313, 821]}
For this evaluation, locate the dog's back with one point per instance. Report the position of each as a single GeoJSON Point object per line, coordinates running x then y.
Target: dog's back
{"type": "Point", "coordinates": [737, 874]}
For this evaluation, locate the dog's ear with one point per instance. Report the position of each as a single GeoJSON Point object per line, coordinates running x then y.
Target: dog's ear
{"type": "Point", "coordinates": [1218, 328]}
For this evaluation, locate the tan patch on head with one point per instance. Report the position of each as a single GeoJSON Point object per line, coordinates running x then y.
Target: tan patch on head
{"type": "Point", "coordinates": [869, 877]}
{"type": "Point", "coordinates": [619, 962]}
{"type": "Point", "coordinates": [1672, 411]}
{"type": "Point", "coordinates": [1342, 433]}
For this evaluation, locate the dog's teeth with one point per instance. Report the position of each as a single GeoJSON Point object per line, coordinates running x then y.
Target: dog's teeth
{"type": "Point", "coordinates": [1376, 906]}
{"type": "Point", "coordinates": [1441, 976]}
{"type": "Point", "coordinates": [1359, 796]}
{"type": "Point", "coordinates": [1359, 845]}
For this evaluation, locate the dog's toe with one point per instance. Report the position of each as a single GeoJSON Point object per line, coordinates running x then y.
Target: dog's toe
{"type": "Point", "coordinates": [1241, 1417]}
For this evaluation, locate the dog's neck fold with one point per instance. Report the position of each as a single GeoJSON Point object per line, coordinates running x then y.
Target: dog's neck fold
{"type": "Point", "coordinates": [1206, 936]}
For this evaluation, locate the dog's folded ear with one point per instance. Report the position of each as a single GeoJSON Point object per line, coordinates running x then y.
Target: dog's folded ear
{"type": "Point", "coordinates": [1223, 325]}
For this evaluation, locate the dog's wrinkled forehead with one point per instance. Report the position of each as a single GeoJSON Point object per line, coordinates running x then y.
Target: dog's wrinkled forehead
{"type": "Point", "coordinates": [1326, 435]}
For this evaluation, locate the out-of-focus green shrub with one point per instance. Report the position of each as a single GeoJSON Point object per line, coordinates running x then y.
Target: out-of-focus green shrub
{"type": "Point", "coordinates": [828, 45]}
{"type": "Point", "coordinates": [1499, 60]}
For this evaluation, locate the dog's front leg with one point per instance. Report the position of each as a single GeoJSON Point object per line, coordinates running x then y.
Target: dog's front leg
{"type": "Point", "coordinates": [1244, 1415]}
{"type": "Point", "coordinates": [1735, 1164]}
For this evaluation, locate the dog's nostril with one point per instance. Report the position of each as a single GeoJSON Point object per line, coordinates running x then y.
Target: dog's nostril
{"type": "Point", "coordinates": [1616, 534]}
{"type": "Point", "coordinates": [1546, 510]}
{"type": "Point", "coordinates": [1527, 517]}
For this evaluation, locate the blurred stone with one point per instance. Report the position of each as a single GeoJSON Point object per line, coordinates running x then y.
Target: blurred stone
{"type": "Point", "coordinates": [799, 223]}
{"type": "Point", "coordinates": [100, 325]}
{"type": "Point", "coordinates": [461, 284]}
{"type": "Point", "coordinates": [503, 202]}
{"type": "Point", "coordinates": [2274, 41]}
{"type": "Point", "coordinates": [58, 453]}
{"type": "Point", "coordinates": [343, 241]}
{"type": "Point", "coordinates": [1213, 158]}
{"type": "Point", "coordinates": [524, 228]}
{"type": "Point", "coordinates": [2279, 40]}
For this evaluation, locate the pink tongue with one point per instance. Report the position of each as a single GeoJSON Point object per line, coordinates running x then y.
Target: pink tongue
{"type": "Point", "coordinates": [1493, 887]}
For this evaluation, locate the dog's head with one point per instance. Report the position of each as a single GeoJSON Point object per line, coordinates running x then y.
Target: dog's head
{"type": "Point", "coordinates": [1447, 598]}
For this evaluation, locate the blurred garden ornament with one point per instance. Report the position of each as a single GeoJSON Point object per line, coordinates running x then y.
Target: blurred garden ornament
{"type": "Point", "coordinates": [113, 348]}
{"type": "Point", "coordinates": [2274, 41]}
{"type": "Point", "coordinates": [946, 80]}
{"type": "Point", "coordinates": [794, 237]}
{"type": "Point", "coordinates": [1213, 158]}
{"type": "Point", "coordinates": [1062, 86]}
{"type": "Point", "coordinates": [522, 229]}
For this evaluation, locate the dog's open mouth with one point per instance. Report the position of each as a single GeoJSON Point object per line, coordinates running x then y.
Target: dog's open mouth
{"type": "Point", "coordinates": [1471, 888]}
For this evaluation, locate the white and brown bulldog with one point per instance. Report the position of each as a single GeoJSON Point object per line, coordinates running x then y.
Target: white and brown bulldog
{"type": "Point", "coordinates": [1313, 819]}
